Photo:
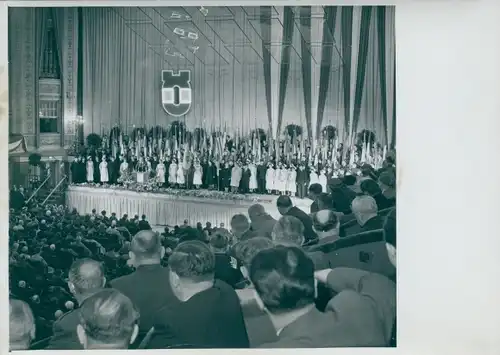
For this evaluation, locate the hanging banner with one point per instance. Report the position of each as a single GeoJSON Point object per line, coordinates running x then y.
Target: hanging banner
{"type": "Point", "coordinates": [176, 93]}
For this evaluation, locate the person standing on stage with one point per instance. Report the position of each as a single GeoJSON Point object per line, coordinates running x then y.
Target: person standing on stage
{"type": "Point", "coordinates": [181, 180]}
{"type": "Point", "coordinates": [261, 177]}
{"type": "Point", "coordinates": [160, 172]}
{"type": "Point", "coordinates": [90, 169]}
{"type": "Point", "coordinates": [103, 170]}
{"type": "Point", "coordinates": [291, 184]}
{"type": "Point", "coordinates": [253, 184]}
{"type": "Point", "coordinates": [236, 173]}
{"type": "Point", "coordinates": [270, 178]}
{"type": "Point", "coordinates": [302, 180]}
{"type": "Point", "coordinates": [198, 174]}
{"type": "Point", "coordinates": [172, 173]}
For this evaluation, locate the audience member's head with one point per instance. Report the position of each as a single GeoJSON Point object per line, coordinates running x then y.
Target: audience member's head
{"type": "Point", "coordinates": [288, 230]}
{"type": "Point", "coordinates": [326, 224]}
{"type": "Point", "coordinates": [85, 278]}
{"type": "Point", "coordinates": [192, 269]}
{"type": "Point", "coordinates": [108, 320]}
{"type": "Point", "coordinates": [284, 203]}
{"type": "Point", "coordinates": [370, 187]}
{"type": "Point", "coordinates": [315, 190]}
{"type": "Point", "coordinates": [239, 225]}
{"type": "Point", "coordinates": [284, 280]}
{"type": "Point", "coordinates": [364, 208]}
{"type": "Point", "coordinates": [245, 251]}
{"type": "Point", "coordinates": [325, 201]}
{"type": "Point", "coordinates": [255, 211]}
{"type": "Point", "coordinates": [219, 241]}
{"type": "Point", "coordinates": [146, 249]}
{"type": "Point", "coordinates": [387, 180]}
{"type": "Point", "coordinates": [349, 180]}
{"type": "Point", "coordinates": [390, 235]}
{"type": "Point", "coordinates": [21, 325]}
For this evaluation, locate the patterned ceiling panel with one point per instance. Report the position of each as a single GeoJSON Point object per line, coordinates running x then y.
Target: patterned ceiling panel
{"type": "Point", "coordinates": [245, 54]}
{"type": "Point", "coordinates": [130, 14]}
{"type": "Point", "coordinates": [253, 12]}
{"type": "Point", "coordinates": [229, 31]}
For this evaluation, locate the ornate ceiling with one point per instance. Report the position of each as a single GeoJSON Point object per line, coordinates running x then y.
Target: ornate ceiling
{"type": "Point", "coordinates": [223, 36]}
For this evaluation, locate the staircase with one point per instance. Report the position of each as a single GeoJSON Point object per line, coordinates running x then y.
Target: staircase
{"type": "Point", "coordinates": [57, 197]}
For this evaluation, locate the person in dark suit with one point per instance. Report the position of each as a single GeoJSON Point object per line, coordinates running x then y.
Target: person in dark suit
{"type": "Point", "coordinates": [341, 195]}
{"type": "Point", "coordinates": [226, 267]}
{"type": "Point", "coordinates": [209, 314]}
{"type": "Point", "coordinates": [21, 325]}
{"type": "Point", "coordinates": [86, 278]}
{"type": "Point", "coordinates": [326, 224]}
{"type": "Point", "coordinates": [371, 188]}
{"type": "Point", "coordinates": [286, 208]}
{"type": "Point", "coordinates": [261, 177]}
{"type": "Point", "coordinates": [108, 320]}
{"type": "Point", "coordinates": [148, 287]}
{"type": "Point", "coordinates": [361, 314]}
{"type": "Point", "coordinates": [314, 192]}
{"type": "Point", "coordinates": [302, 180]}
{"type": "Point", "coordinates": [365, 210]}
{"type": "Point", "coordinates": [240, 227]}
{"type": "Point", "coordinates": [259, 327]}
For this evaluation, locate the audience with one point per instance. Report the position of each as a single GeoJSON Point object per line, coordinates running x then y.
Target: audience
{"type": "Point", "coordinates": [253, 286]}
{"type": "Point", "coordinates": [362, 313]}
{"type": "Point", "coordinates": [315, 190]}
{"type": "Point", "coordinates": [286, 208]}
{"type": "Point", "coordinates": [108, 320]}
{"type": "Point", "coordinates": [86, 278]}
{"type": "Point", "coordinates": [209, 314]}
{"type": "Point", "coordinates": [21, 325]}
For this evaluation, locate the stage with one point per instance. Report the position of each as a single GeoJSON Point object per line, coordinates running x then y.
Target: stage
{"type": "Point", "coordinates": [170, 209]}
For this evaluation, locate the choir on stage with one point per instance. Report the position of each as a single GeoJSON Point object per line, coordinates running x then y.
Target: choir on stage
{"type": "Point", "coordinates": [287, 166]}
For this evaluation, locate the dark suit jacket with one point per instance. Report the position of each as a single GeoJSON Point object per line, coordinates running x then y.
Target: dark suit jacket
{"type": "Point", "coordinates": [306, 221]}
{"type": "Point", "coordinates": [64, 332]}
{"type": "Point", "coordinates": [259, 327]}
{"type": "Point", "coordinates": [372, 224]}
{"type": "Point", "coordinates": [210, 319]}
{"type": "Point", "coordinates": [149, 289]}
{"type": "Point", "coordinates": [361, 314]}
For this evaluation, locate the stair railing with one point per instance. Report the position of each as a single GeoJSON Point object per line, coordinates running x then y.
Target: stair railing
{"type": "Point", "coordinates": [54, 189]}
{"type": "Point", "coordinates": [39, 187]}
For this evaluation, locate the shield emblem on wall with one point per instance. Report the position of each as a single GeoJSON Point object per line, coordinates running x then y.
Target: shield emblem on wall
{"type": "Point", "coordinates": [176, 93]}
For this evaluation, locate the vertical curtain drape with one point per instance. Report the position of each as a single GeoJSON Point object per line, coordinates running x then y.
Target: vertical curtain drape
{"type": "Point", "coordinates": [326, 62]}
{"type": "Point", "coordinates": [288, 30]}
{"type": "Point", "coordinates": [362, 56]}
{"type": "Point", "coordinates": [265, 23]}
{"type": "Point", "coordinates": [305, 40]}
{"type": "Point", "coordinates": [346, 15]}
{"type": "Point", "coordinates": [382, 67]}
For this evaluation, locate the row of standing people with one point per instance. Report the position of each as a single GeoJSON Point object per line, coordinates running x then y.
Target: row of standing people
{"type": "Point", "coordinates": [237, 177]}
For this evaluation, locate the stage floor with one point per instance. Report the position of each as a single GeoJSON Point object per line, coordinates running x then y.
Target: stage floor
{"type": "Point", "coordinates": [164, 209]}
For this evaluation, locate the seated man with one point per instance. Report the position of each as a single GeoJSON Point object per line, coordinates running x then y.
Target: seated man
{"type": "Point", "coordinates": [326, 224]}
{"type": "Point", "coordinates": [314, 192]}
{"type": "Point", "coordinates": [209, 314]}
{"type": "Point", "coordinates": [21, 325]}
{"type": "Point", "coordinates": [260, 329]}
{"type": "Point", "coordinates": [361, 314]}
{"type": "Point", "coordinates": [365, 210]}
{"type": "Point", "coordinates": [240, 227]}
{"type": "Point", "coordinates": [108, 320]}
{"type": "Point", "coordinates": [146, 286]}
{"type": "Point", "coordinates": [262, 223]}
{"type": "Point", "coordinates": [86, 278]}
{"type": "Point", "coordinates": [286, 208]}
{"type": "Point", "coordinates": [289, 231]}
{"type": "Point", "coordinates": [226, 267]}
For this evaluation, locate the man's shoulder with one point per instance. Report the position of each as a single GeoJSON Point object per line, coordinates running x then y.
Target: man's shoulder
{"type": "Point", "coordinates": [68, 321]}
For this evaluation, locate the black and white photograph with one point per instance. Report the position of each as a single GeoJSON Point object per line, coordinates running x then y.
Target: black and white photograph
{"type": "Point", "coordinates": [202, 177]}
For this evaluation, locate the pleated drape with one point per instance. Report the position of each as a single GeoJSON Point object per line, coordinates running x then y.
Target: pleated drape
{"type": "Point", "coordinates": [41, 17]}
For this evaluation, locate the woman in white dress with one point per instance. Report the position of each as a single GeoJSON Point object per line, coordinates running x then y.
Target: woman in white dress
{"type": "Point", "coordinates": [160, 172]}
{"type": "Point", "coordinates": [291, 185]}
{"type": "Point", "coordinates": [123, 168]}
{"type": "Point", "coordinates": [198, 174]}
{"type": "Point", "coordinates": [181, 180]}
{"type": "Point", "coordinates": [270, 178]}
{"type": "Point", "coordinates": [323, 181]}
{"type": "Point", "coordinates": [90, 169]}
{"type": "Point", "coordinates": [172, 173]}
{"type": "Point", "coordinates": [313, 177]}
{"type": "Point", "coordinates": [253, 177]}
{"type": "Point", "coordinates": [283, 179]}
{"type": "Point", "coordinates": [103, 170]}
{"type": "Point", "coordinates": [236, 173]}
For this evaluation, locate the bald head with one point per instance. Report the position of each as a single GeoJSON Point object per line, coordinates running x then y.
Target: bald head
{"type": "Point", "coordinates": [86, 276]}
{"type": "Point", "coordinates": [325, 222]}
{"type": "Point", "coordinates": [21, 325]}
{"type": "Point", "coordinates": [364, 208]}
{"type": "Point", "coordinates": [146, 246]}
